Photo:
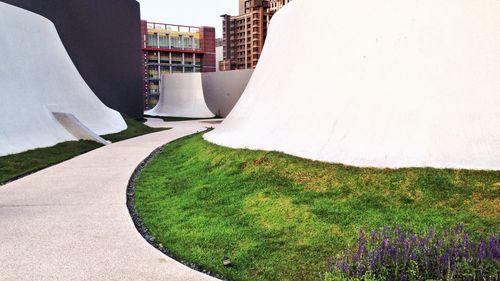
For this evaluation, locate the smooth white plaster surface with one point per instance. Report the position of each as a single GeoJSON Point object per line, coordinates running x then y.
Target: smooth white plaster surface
{"type": "Point", "coordinates": [37, 77]}
{"type": "Point", "coordinates": [388, 83]}
{"type": "Point", "coordinates": [181, 95]}
{"type": "Point", "coordinates": [223, 89]}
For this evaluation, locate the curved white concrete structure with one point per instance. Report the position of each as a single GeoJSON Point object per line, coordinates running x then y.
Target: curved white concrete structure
{"type": "Point", "coordinates": [223, 89]}
{"type": "Point", "coordinates": [37, 77]}
{"type": "Point", "coordinates": [181, 95]}
{"type": "Point", "coordinates": [406, 83]}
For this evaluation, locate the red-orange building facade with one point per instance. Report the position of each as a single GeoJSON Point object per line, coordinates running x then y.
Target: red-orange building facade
{"type": "Point", "coordinates": [169, 48]}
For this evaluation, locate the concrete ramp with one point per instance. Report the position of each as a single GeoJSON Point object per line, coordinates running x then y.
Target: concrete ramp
{"type": "Point", "coordinates": [37, 77]}
{"type": "Point", "coordinates": [77, 128]}
{"type": "Point", "coordinates": [181, 96]}
{"type": "Point", "coordinates": [388, 83]}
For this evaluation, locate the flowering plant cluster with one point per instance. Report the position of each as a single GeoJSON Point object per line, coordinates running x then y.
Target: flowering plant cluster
{"type": "Point", "coordinates": [393, 254]}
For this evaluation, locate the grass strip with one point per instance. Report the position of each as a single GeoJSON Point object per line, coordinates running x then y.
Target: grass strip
{"type": "Point", "coordinates": [15, 166]}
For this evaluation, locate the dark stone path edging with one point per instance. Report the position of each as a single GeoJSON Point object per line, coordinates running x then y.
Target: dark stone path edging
{"type": "Point", "coordinates": [139, 224]}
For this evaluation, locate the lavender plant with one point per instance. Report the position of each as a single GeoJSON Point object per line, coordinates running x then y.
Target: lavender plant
{"type": "Point", "coordinates": [393, 254]}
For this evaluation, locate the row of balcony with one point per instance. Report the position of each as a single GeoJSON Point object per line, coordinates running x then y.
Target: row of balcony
{"type": "Point", "coordinates": [172, 64]}
{"type": "Point", "coordinates": [172, 47]}
{"type": "Point", "coordinates": [174, 58]}
{"type": "Point", "coordinates": [169, 42]}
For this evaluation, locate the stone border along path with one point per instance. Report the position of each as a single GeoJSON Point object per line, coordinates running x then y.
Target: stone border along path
{"type": "Point", "coordinates": [71, 222]}
{"type": "Point", "coordinates": [139, 223]}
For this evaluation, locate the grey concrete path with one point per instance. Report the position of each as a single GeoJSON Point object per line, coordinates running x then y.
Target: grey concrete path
{"type": "Point", "coordinates": [70, 221]}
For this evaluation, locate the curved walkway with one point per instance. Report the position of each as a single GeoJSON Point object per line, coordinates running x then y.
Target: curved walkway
{"type": "Point", "coordinates": [71, 222]}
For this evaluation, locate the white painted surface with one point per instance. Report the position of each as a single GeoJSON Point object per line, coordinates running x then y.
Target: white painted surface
{"type": "Point", "coordinates": [181, 95]}
{"type": "Point", "coordinates": [37, 77]}
{"type": "Point", "coordinates": [77, 129]}
{"type": "Point", "coordinates": [223, 89]}
{"type": "Point", "coordinates": [389, 83]}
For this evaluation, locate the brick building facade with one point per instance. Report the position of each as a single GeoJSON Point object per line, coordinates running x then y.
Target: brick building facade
{"type": "Point", "coordinates": [169, 48]}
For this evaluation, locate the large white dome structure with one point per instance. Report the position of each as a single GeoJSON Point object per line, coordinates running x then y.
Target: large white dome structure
{"type": "Point", "coordinates": [38, 79]}
{"type": "Point", "coordinates": [386, 83]}
{"type": "Point", "coordinates": [181, 95]}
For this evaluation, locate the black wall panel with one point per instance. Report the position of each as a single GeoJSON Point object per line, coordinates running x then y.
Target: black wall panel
{"type": "Point", "coordinates": [102, 38]}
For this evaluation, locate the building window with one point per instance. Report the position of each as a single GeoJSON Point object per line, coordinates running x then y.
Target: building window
{"type": "Point", "coordinates": [176, 42]}
{"type": "Point", "coordinates": [176, 58]}
{"type": "Point", "coordinates": [197, 60]}
{"type": "Point", "coordinates": [188, 42]}
{"type": "Point", "coordinates": [177, 69]}
{"type": "Point", "coordinates": [164, 70]}
{"type": "Point", "coordinates": [153, 72]}
{"type": "Point", "coordinates": [164, 42]}
{"type": "Point", "coordinates": [152, 57]}
{"type": "Point", "coordinates": [154, 87]}
{"type": "Point", "coordinates": [164, 58]}
{"type": "Point", "coordinates": [152, 40]}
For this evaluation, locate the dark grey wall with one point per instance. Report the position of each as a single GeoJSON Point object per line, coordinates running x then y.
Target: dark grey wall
{"type": "Point", "coordinates": [223, 89]}
{"type": "Point", "coordinates": [102, 38]}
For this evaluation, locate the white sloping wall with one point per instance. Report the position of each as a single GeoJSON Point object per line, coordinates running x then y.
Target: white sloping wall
{"type": "Point", "coordinates": [37, 77]}
{"type": "Point", "coordinates": [223, 89]}
{"type": "Point", "coordinates": [388, 83]}
{"type": "Point", "coordinates": [181, 96]}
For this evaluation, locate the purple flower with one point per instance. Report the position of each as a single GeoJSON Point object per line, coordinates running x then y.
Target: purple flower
{"type": "Point", "coordinates": [481, 252]}
{"type": "Point", "coordinates": [361, 244]}
{"type": "Point", "coordinates": [404, 277]}
{"type": "Point", "coordinates": [361, 270]}
{"type": "Point", "coordinates": [345, 267]}
{"type": "Point", "coordinates": [372, 261]}
{"type": "Point", "coordinates": [379, 254]}
{"type": "Point", "coordinates": [440, 243]}
{"type": "Point", "coordinates": [435, 255]}
{"type": "Point", "coordinates": [413, 255]}
{"type": "Point", "coordinates": [397, 231]}
{"type": "Point", "coordinates": [491, 247]}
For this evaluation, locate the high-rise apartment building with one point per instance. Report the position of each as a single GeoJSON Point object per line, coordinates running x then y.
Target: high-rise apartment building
{"type": "Point", "coordinates": [170, 48]}
{"type": "Point", "coordinates": [244, 35]}
{"type": "Point", "coordinates": [275, 5]}
{"type": "Point", "coordinates": [241, 6]}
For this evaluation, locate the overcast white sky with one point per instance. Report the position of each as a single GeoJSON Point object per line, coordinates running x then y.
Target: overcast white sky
{"type": "Point", "coordinates": [189, 12]}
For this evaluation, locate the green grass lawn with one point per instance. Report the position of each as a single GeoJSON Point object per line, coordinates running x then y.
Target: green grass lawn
{"type": "Point", "coordinates": [21, 164]}
{"type": "Point", "coordinates": [17, 165]}
{"type": "Point", "coordinates": [279, 217]}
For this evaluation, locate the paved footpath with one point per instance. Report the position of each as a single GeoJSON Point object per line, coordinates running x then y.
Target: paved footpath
{"type": "Point", "coordinates": [71, 222]}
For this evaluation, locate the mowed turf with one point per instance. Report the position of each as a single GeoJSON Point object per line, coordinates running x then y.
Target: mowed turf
{"type": "Point", "coordinates": [279, 217]}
